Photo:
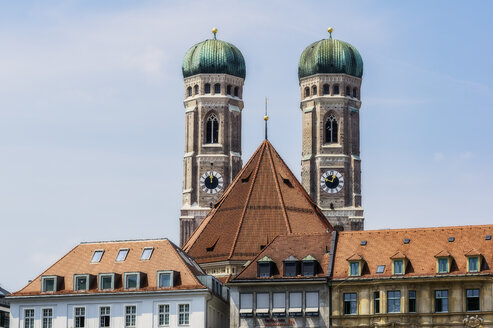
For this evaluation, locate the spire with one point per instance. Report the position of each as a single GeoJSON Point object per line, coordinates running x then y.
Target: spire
{"type": "Point", "coordinates": [266, 118]}
{"type": "Point", "coordinates": [214, 31]}
{"type": "Point", "coordinates": [330, 30]}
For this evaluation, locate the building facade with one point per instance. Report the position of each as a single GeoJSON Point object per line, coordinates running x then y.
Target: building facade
{"type": "Point", "coordinates": [4, 309]}
{"type": "Point", "coordinates": [330, 73]}
{"type": "Point", "coordinates": [214, 73]}
{"type": "Point", "coordinates": [144, 283]}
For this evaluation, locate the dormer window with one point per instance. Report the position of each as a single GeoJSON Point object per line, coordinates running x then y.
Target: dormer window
{"type": "Point", "coordinates": [473, 264]}
{"type": "Point", "coordinates": [49, 284]}
{"type": "Point", "coordinates": [165, 279]}
{"type": "Point", "coordinates": [354, 268]}
{"type": "Point", "coordinates": [308, 266]}
{"type": "Point", "coordinates": [106, 281]}
{"type": "Point", "coordinates": [291, 267]}
{"type": "Point", "coordinates": [81, 282]}
{"type": "Point", "coordinates": [398, 266]}
{"type": "Point", "coordinates": [264, 267]}
{"type": "Point", "coordinates": [132, 280]}
{"type": "Point", "coordinates": [443, 265]}
{"type": "Point", "coordinates": [122, 255]}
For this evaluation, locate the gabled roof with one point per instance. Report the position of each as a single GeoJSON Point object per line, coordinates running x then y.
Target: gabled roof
{"type": "Point", "coordinates": [426, 244]}
{"type": "Point", "coordinates": [315, 245]}
{"type": "Point", "coordinates": [165, 256]}
{"type": "Point", "coordinates": [265, 200]}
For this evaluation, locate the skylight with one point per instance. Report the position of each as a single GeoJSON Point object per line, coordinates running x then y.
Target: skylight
{"type": "Point", "coordinates": [146, 253]}
{"type": "Point", "coordinates": [364, 242]}
{"type": "Point", "coordinates": [488, 237]}
{"type": "Point", "coordinates": [96, 257]}
{"type": "Point", "coordinates": [407, 240]}
{"type": "Point", "coordinates": [122, 255]}
{"type": "Point", "coordinates": [380, 268]}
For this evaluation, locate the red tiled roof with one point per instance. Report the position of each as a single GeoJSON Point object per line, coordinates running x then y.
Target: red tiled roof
{"type": "Point", "coordinates": [424, 246]}
{"type": "Point", "coordinates": [265, 200]}
{"type": "Point", "coordinates": [165, 256]}
{"type": "Point", "coordinates": [294, 245]}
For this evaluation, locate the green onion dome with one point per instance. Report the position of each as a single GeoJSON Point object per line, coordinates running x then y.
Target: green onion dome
{"type": "Point", "coordinates": [330, 56]}
{"type": "Point", "coordinates": [213, 57]}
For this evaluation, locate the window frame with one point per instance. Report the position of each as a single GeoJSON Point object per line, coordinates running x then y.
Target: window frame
{"type": "Point", "coordinates": [262, 265]}
{"type": "Point", "coordinates": [295, 311]}
{"type": "Point", "coordinates": [439, 261]}
{"type": "Point", "coordinates": [293, 264]}
{"type": "Point", "coordinates": [436, 298]}
{"type": "Point", "coordinates": [217, 88]}
{"type": "Point", "coordinates": [391, 306]}
{"type": "Point", "coordinates": [164, 315]}
{"type": "Point", "coordinates": [80, 276]}
{"type": "Point", "coordinates": [331, 123]}
{"type": "Point", "coordinates": [305, 265]}
{"type": "Point", "coordinates": [350, 302]}
{"type": "Point", "coordinates": [94, 258]}
{"type": "Point", "coordinates": [376, 301]}
{"type": "Point", "coordinates": [358, 271]}
{"type": "Point", "coordinates": [468, 299]}
{"type": "Point", "coordinates": [130, 315]}
{"type": "Point", "coordinates": [312, 311]}
{"type": "Point", "coordinates": [211, 131]}
{"type": "Point", "coordinates": [126, 250]}
{"type": "Point", "coordinates": [186, 314]}
{"type": "Point", "coordinates": [246, 312]}
{"type": "Point", "coordinates": [171, 278]}
{"type": "Point", "coordinates": [326, 91]}
{"type": "Point", "coordinates": [207, 88]}
{"type": "Point", "coordinates": [31, 318]}
{"type": "Point", "coordinates": [262, 312]}
{"type": "Point", "coordinates": [151, 249]}
{"type": "Point", "coordinates": [414, 299]}
{"type": "Point", "coordinates": [126, 275]}
{"type": "Point", "coordinates": [43, 285]}
{"type": "Point", "coordinates": [394, 267]}
{"type": "Point", "coordinates": [105, 275]}
{"type": "Point", "coordinates": [83, 316]}
{"type": "Point", "coordinates": [277, 310]}
{"type": "Point", "coordinates": [100, 315]}
{"type": "Point", "coordinates": [478, 263]}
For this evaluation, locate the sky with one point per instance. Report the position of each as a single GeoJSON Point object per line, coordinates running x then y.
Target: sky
{"type": "Point", "coordinates": [92, 116]}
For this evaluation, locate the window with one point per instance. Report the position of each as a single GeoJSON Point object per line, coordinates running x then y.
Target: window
{"type": "Point", "coordinates": [336, 89]}
{"type": "Point", "coordinates": [441, 300]}
{"type": "Point", "coordinates": [473, 264]}
{"type": "Point", "coordinates": [350, 303]}
{"type": "Point", "coordinates": [308, 268]}
{"type": "Point", "coordinates": [165, 279]}
{"type": "Point", "coordinates": [217, 88]}
{"type": "Point", "coordinates": [122, 255]}
{"type": "Point", "coordinates": [130, 315]}
{"type": "Point", "coordinates": [264, 269]}
{"type": "Point", "coordinates": [48, 284]}
{"type": "Point", "coordinates": [96, 256]}
{"type": "Point", "coordinates": [81, 282]}
{"type": "Point", "coordinates": [331, 129]}
{"type": "Point", "coordinates": [207, 88]}
{"type": "Point", "coordinates": [189, 91]}
{"type": "Point", "coordinates": [295, 303]}
{"type": "Point", "coordinates": [106, 281]}
{"type": "Point", "coordinates": [228, 90]}
{"type": "Point", "coordinates": [262, 308]}
{"type": "Point", "coordinates": [246, 304]}
{"type": "Point", "coordinates": [29, 318]}
{"type": "Point", "coordinates": [355, 93]}
{"type": "Point", "coordinates": [196, 90]}
{"type": "Point", "coordinates": [393, 301]}
{"type": "Point", "coordinates": [412, 301]}
{"type": "Point", "coordinates": [183, 314]}
{"type": "Point", "coordinates": [380, 268]}
{"type": "Point", "coordinates": [398, 266]}
{"type": "Point", "coordinates": [354, 268]}
{"type": "Point", "coordinates": [314, 90]}
{"type": "Point", "coordinates": [311, 303]}
{"type": "Point", "coordinates": [132, 280]}
{"type": "Point", "coordinates": [146, 253]}
{"type": "Point", "coordinates": [348, 92]}
{"type": "Point", "coordinates": [79, 317]}
{"type": "Point", "coordinates": [237, 92]}
{"type": "Point", "coordinates": [104, 316]}
{"type": "Point", "coordinates": [326, 89]}
{"type": "Point", "coordinates": [307, 92]}
{"type": "Point", "coordinates": [278, 304]}
{"type": "Point", "coordinates": [472, 299]}
{"type": "Point", "coordinates": [212, 129]}
{"type": "Point", "coordinates": [443, 265]}
{"type": "Point", "coordinates": [376, 302]}
{"type": "Point", "coordinates": [290, 268]}
{"type": "Point", "coordinates": [163, 314]}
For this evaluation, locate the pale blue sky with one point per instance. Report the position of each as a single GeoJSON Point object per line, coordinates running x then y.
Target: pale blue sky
{"type": "Point", "coordinates": [91, 112]}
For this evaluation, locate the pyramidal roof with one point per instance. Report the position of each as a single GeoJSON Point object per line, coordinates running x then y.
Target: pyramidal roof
{"type": "Point", "coordinates": [264, 201]}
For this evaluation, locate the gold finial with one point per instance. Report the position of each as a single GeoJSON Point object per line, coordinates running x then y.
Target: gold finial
{"type": "Point", "coordinates": [330, 29]}
{"type": "Point", "coordinates": [266, 118]}
{"type": "Point", "coordinates": [214, 31]}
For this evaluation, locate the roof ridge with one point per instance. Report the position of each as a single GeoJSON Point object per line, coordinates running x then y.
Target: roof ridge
{"type": "Point", "coordinates": [420, 229]}
{"type": "Point", "coordinates": [276, 179]}
{"type": "Point", "coordinates": [247, 199]}
{"type": "Point", "coordinates": [121, 241]}
{"type": "Point", "coordinates": [182, 260]}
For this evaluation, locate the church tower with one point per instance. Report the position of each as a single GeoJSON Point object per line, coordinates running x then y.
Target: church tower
{"type": "Point", "coordinates": [330, 73]}
{"type": "Point", "coordinates": [213, 72]}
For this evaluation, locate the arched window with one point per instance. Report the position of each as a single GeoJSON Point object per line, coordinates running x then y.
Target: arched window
{"type": "Point", "coordinates": [212, 129]}
{"type": "Point", "coordinates": [326, 89]}
{"type": "Point", "coordinates": [217, 88]}
{"type": "Point", "coordinates": [207, 88]}
{"type": "Point", "coordinates": [355, 93]}
{"type": "Point", "coordinates": [237, 92]}
{"type": "Point", "coordinates": [331, 129]}
{"type": "Point", "coordinates": [336, 89]}
{"type": "Point", "coordinates": [196, 90]}
{"type": "Point", "coordinates": [228, 90]}
{"type": "Point", "coordinates": [314, 90]}
{"type": "Point", "coordinates": [348, 91]}
{"type": "Point", "coordinates": [307, 92]}
{"type": "Point", "coordinates": [189, 91]}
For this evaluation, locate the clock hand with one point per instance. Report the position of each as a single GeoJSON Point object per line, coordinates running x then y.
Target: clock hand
{"type": "Point", "coordinates": [211, 177]}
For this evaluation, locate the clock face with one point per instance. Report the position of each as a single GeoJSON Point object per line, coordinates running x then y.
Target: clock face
{"type": "Point", "coordinates": [211, 182]}
{"type": "Point", "coordinates": [332, 181]}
